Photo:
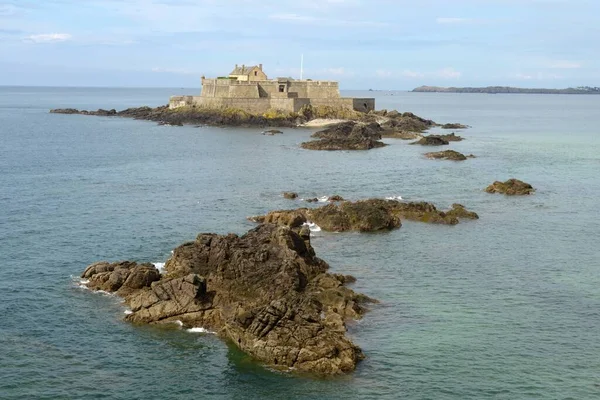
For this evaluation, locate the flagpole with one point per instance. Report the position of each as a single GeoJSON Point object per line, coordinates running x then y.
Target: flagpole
{"type": "Point", "coordinates": [301, 66]}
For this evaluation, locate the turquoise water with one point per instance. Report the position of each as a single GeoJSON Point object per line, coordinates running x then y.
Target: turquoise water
{"type": "Point", "coordinates": [506, 307]}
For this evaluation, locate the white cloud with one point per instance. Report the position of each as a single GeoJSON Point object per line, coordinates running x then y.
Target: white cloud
{"type": "Point", "coordinates": [451, 20]}
{"type": "Point", "coordinates": [412, 74]}
{"type": "Point", "coordinates": [449, 73]}
{"type": "Point", "coordinates": [564, 64]}
{"type": "Point", "coordinates": [307, 19]}
{"type": "Point", "coordinates": [48, 38]}
{"type": "Point", "coordinates": [180, 71]}
{"type": "Point", "coordinates": [540, 76]}
{"type": "Point", "coordinates": [337, 72]}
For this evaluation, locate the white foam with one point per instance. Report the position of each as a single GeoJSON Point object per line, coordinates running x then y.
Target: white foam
{"type": "Point", "coordinates": [178, 322]}
{"type": "Point", "coordinates": [127, 312]}
{"type": "Point", "coordinates": [160, 267]}
{"type": "Point", "coordinates": [394, 198]}
{"type": "Point", "coordinates": [198, 330]}
{"type": "Point", "coordinates": [104, 292]}
{"type": "Point", "coordinates": [312, 226]}
{"type": "Point", "coordinates": [323, 199]}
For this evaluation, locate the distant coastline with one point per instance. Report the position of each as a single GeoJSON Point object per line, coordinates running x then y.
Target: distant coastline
{"type": "Point", "coordinates": [506, 89]}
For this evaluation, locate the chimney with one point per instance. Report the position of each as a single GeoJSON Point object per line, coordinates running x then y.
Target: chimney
{"type": "Point", "coordinates": [260, 66]}
{"type": "Point", "coordinates": [236, 66]}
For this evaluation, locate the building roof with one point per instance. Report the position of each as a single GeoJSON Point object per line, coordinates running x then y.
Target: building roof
{"type": "Point", "coordinates": [243, 70]}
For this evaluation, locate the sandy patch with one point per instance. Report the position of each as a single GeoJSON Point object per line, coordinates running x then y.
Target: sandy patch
{"type": "Point", "coordinates": [320, 122]}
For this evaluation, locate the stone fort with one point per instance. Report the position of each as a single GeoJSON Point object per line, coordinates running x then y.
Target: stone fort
{"type": "Point", "coordinates": [249, 89]}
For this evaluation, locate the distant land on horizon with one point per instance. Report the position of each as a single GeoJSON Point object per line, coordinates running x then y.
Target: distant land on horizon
{"type": "Point", "coordinates": [507, 89]}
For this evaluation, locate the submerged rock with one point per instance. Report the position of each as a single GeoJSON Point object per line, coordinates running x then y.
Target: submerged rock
{"type": "Point", "coordinates": [512, 187]}
{"type": "Point", "coordinates": [272, 132]}
{"type": "Point", "coordinates": [366, 215]}
{"type": "Point", "coordinates": [447, 155]}
{"type": "Point", "coordinates": [266, 292]}
{"type": "Point", "coordinates": [347, 136]}
{"type": "Point", "coordinates": [290, 195]}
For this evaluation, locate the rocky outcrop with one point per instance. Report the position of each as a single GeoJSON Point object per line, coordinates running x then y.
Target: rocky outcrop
{"type": "Point", "coordinates": [460, 212]}
{"type": "Point", "coordinates": [512, 187]}
{"type": "Point", "coordinates": [395, 121]}
{"type": "Point", "coordinates": [195, 116]}
{"type": "Point", "coordinates": [454, 126]}
{"type": "Point", "coordinates": [446, 155]}
{"type": "Point", "coordinates": [366, 215]}
{"type": "Point", "coordinates": [431, 140]}
{"type": "Point", "coordinates": [289, 195]}
{"type": "Point", "coordinates": [403, 135]}
{"type": "Point", "coordinates": [266, 292]}
{"type": "Point", "coordinates": [347, 136]}
{"type": "Point", "coordinates": [450, 137]}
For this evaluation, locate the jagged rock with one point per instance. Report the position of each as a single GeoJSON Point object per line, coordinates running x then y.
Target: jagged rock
{"type": "Point", "coordinates": [511, 187]}
{"type": "Point", "coordinates": [447, 155]}
{"type": "Point", "coordinates": [454, 126]}
{"type": "Point", "coordinates": [431, 140]}
{"type": "Point", "coordinates": [366, 215]}
{"type": "Point", "coordinates": [347, 136]}
{"type": "Point", "coordinates": [312, 200]}
{"type": "Point", "coordinates": [406, 122]}
{"type": "Point", "coordinates": [290, 195]}
{"type": "Point", "coordinates": [266, 292]}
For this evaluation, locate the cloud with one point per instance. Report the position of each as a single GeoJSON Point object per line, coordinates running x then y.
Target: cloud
{"type": "Point", "coordinates": [564, 64]}
{"type": "Point", "coordinates": [307, 19]}
{"type": "Point", "coordinates": [179, 71]}
{"type": "Point", "coordinates": [537, 76]}
{"type": "Point", "coordinates": [48, 38]}
{"type": "Point", "coordinates": [338, 71]}
{"type": "Point", "coordinates": [448, 73]}
{"type": "Point", "coordinates": [449, 20]}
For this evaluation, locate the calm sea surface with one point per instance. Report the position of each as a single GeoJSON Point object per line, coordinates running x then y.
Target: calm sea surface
{"type": "Point", "coordinates": [506, 307]}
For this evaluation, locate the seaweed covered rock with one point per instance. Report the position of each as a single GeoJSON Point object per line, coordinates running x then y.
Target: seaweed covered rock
{"type": "Point", "coordinates": [366, 215]}
{"type": "Point", "coordinates": [451, 137]}
{"type": "Point", "coordinates": [512, 187]}
{"type": "Point", "coordinates": [446, 155]}
{"type": "Point", "coordinates": [347, 136]}
{"type": "Point", "coordinates": [265, 291]}
{"type": "Point", "coordinates": [195, 116]}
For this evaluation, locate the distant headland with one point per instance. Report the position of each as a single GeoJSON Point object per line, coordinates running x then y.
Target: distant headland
{"type": "Point", "coordinates": [507, 89]}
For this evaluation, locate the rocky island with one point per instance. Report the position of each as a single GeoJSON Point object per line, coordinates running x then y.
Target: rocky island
{"type": "Point", "coordinates": [266, 292]}
{"type": "Point", "coordinates": [507, 89]}
{"type": "Point", "coordinates": [512, 187]}
{"type": "Point", "coordinates": [366, 215]}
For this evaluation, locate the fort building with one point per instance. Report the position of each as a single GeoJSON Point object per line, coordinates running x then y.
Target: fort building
{"type": "Point", "coordinates": [248, 88]}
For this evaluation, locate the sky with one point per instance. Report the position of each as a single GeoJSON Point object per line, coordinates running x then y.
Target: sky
{"type": "Point", "coordinates": [378, 44]}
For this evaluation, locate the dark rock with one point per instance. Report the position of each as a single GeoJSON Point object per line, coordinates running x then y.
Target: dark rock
{"type": "Point", "coordinates": [454, 126]}
{"type": "Point", "coordinates": [272, 132]}
{"type": "Point", "coordinates": [335, 197]}
{"type": "Point", "coordinates": [431, 140]}
{"type": "Point", "coordinates": [406, 122]}
{"type": "Point", "coordinates": [312, 200]}
{"type": "Point", "coordinates": [447, 155]}
{"type": "Point", "coordinates": [512, 187]}
{"type": "Point", "coordinates": [290, 195]}
{"type": "Point", "coordinates": [266, 292]}
{"type": "Point", "coordinates": [347, 136]}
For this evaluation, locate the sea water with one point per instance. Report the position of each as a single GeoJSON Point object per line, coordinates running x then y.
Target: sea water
{"type": "Point", "coordinates": [507, 306]}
